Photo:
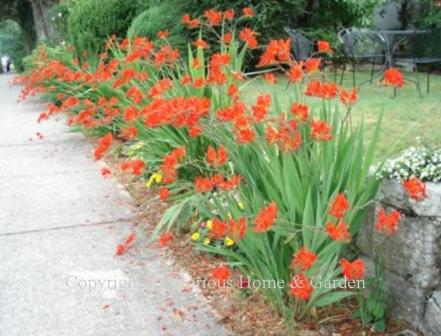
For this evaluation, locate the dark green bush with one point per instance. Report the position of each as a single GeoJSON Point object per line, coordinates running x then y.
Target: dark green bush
{"type": "Point", "coordinates": [161, 15]}
{"type": "Point", "coordinates": [90, 22]}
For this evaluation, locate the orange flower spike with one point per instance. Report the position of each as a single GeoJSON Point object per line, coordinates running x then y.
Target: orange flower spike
{"type": "Point", "coordinates": [388, 223]}
{"type": "Point", "coordinates": [338, 232]}
{"type": "Point", "coordinates": [214, 17]}
{"type": "Point", "coordinates": [191, 23]}
{"type": "Point", "coordinates": [164, 193]}
{"type": "Point", "coordinates": [323, 46]}
{"type": "Point", "coordinates": [320, 130]}
{"type": "Point", "coordinates": [248, 12]}
{"type": "Point", "coordinates": [295, 73]}
{"type": "Point", "coordinates": [415, 188]}
{"type": "Point", "coordinates": [103, 144]}
{"type": "Point", "coordinates": [227, 38]}
{"type": "Point", "coordinates": [394, 77]}
{"type": "Point", "coordinates": [200, 43]}
{"type": "Point", "coordinates": [349, 98]}
{"type": "Point", "coordinates": [218, 229]}
{"type": "Point", "coordinates": [300, 111]}
{"type": "Point", "coordinates": [245, 135]}
{"type": "Point", "coordinates": [339, 206]}
{"type": "Point", "coordinates": [301, 287]}
{"type": "Point", "coordinates": [130, 113]}
{"type": "Point", "coordinates": [229, 14]}
{"type": "Point", "coordinates": [270, 78]}
{"type": "Point", "coordinates": [312, 65]}
{"type": "Point", "coordinates": [303, 259]}
{"type": "Point", "coordinates": [211, 155]}
{"type": "Point", "coordinates": [203, 184]}
{"type": "Point", "coordinates": [352, 270]}
{"type": "Point", "coordinates": [266, 218]}
{"type": "Point", "coordinates": [249, 37]}
{"type": "Point", "coordinates": [163, 34]}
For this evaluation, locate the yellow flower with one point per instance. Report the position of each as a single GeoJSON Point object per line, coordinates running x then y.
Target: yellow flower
{"type": "Point", "coordinates": [206, 241]}
{"type": "Point", "coordinates": [209, 224]}
{"type": "Point", "coordinates": [195, 236]}
{"type": "Point", "coordinates": [230, 216]}
{"type": "Point", "coordinates": [241, 205]}
{"type": "Point", "coordinates": [155, 177]}
{"type": "Point", "coordinates": [228, 241]}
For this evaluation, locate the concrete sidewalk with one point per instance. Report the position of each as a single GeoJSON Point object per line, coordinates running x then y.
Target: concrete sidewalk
{"type": "Point", "coordinates": [60, 223]}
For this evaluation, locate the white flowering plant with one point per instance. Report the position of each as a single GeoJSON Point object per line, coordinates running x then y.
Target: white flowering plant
{"type": "Point", "coordinates": [423, 162]}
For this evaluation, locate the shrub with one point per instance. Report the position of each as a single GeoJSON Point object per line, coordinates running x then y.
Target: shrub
{"type": "Point", "coordinates": [161, 15]}
{"type": "Point", "coordinates": [90, 22]}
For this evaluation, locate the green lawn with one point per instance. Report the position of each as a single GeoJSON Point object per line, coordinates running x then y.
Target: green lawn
{"type": "Point", "coordinates": [406, 117]}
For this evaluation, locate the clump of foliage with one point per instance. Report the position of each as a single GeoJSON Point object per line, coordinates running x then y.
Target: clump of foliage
{"type": "Point", "coordinates": [90, 22]}
{"type": "Point", "coordinates": [161, 15]}
{"type": "Point", "coordinates": [423, 162]}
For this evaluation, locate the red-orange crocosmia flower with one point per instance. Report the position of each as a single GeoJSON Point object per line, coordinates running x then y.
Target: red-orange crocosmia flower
{"type": "Point", "coordinates": [300, 111]}
{"type": "Point", "coordinates": [200, 43]}
{"type": "Point", "coordinates": [339, 206]}
{"type": "Point", "coordinates": [301, 287]}
{"type": "Point", "coordinates": [323, 46]}
{"type": "Point", "coordinates": [352, 270]}
{"type": "Point", "coordinates": [221, 273]}
{"type": "Point", "coordinates": [164, 193]}
{"type": "Point", "coordinates": [135, 167]}
{"type": "Point", "coordinates": [320, 130]}
{"type": "Point", "coordinates": [191, 23]}
{"type": "Point", "coordinates": [339, 232]}
{"type": "Point", "coordinates": [203, 184]}
{"type": "Point", "coordinates": [260, 109]}
{"type": "Point", "coordinates": [245, 135]}
{"type": "Point", "coordinates": [312, 64]}
{"type": "Point", "coordinates": [229, 14]}
{"type": "Point", "coordinates": [266, 218]}
{"type": "Point", "coordinates": [394, 77]}
{"type": "Point", "coordinates": [277, 51]}
{"type": "Point", "coordinates": [214, 17]}
{"type": "Point", "coordinates": [103, 145]}
{"type": "Point", "coordinates": [165, 239]}
{"type": "Point", "coordinates": [227, 38]}
{"type": "Point", "coordinates": [270, 78]}
{"type": "Point", "coordinates": [163, 34]}
{"type": "Point", "coordinates": [237, 228]}
{"type": "Point", "coordinates": [349, 98]}
{"type": "Point", "coordinates": [249, 37]}
{"type": "Point", "coordinates": [303, 259]}
{"type": "Point", "coordinates": [218, 229]}
{"type": "Point", "coordinates": [129, 133]}
{"type": "Point", "coordinates": [217, 158]}
{"type": "Point", "coordinates": [295, 73]}
{"type": "Point", "coordinates": [248, 12]}
{"type": "Point", "coordinates": [415, 188]}
{"type": "Point", "coordinates": [130, 113]}
{"type": "Point", "coordinates": [388, 223]}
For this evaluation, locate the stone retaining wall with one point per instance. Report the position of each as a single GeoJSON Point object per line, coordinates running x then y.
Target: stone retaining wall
{"type": "Point", "coordinates": [412, 258]}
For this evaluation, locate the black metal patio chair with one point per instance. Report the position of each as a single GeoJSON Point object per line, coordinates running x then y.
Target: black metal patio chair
{"type": "Point", "coordinates": [419, 49]}
{"type": "Point", "coordinates": [364, 45]}
{"type": "Point", "coordinates": [302, 47]}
